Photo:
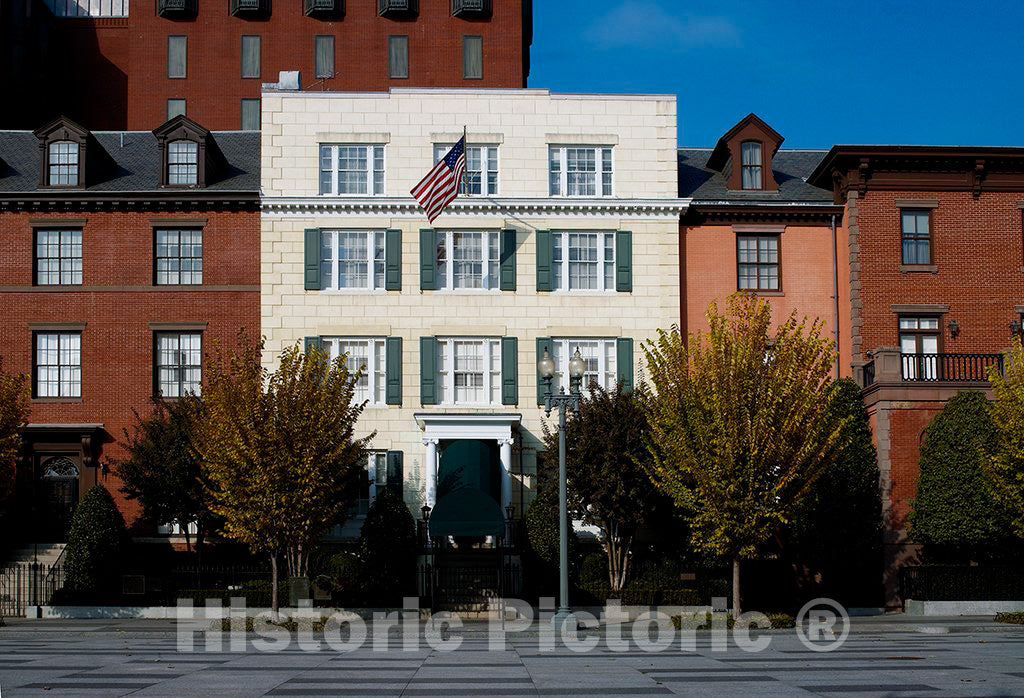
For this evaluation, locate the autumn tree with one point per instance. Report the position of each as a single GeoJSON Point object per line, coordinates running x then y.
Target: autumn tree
{"type": "Point", "coordinates": [163, 470]}
{"type": "Point", "coordinates": [608, 488]}
{"type": "Point", "coordinates": [280, 451]}
{"type": "Point", "coordinates": [1004, 466]}
{"type": "Point", "coordinates": [13, 416]}
{"type": "Point", "coordinates": [740, 425]}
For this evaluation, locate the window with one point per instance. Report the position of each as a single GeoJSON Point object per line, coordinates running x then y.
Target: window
{"type": "Point", "coordinates": [175, 107]}
{"type": "Point", "coordinates": [323, 49]}
{"type": "Point", "coordinates": [352, 259]}
{"type": "Point", "coordinates": [174, 528]}
{"type": "Point", "coordinates": [179, 257]}
{"type": "Point", "coordinates": [88, 8]}
{"type": "Point", "coordinates": [917, 238]}
{"type": "Point", "coordinates": [751, 155]}
{"type": "Point", "coordinates": [376, 475]}
{"type": "Point", "coordinates": [179, 363]}
{"type": "Point", "coordinates": [398, 57]}
{"type": "Point", "coordinates": [182, 162]}
{"type": "Point", "coordinates": [467, 260]}
{"type": "Point", "coordinates": [58, 257]}
{"type": "Point", "coordinates": [469, 371]}
{"type": "Point", "coordinates": [919, 342]}
{"type": "Point", "coordinates": [63, 164]}
{"type": "Point", "coordinates": [367, 355]}
{"type": "Point", "coordinates": [758, 262]}
{"type": "Point", "coordinates": [583, 261]}
{"type": "Point", "coordinates": [598, 355]}
{"type": "Point", "coordinates": [352, 169]}
{"type": "Point", "coordinates": [481, 168]}
{"type": "Point", "coordinates": [250, 115]}
{"type": "Point", "coordinates": [574, 171]}
{"type": "Point", "coordinates": [250, 56]}
{"type": "Point", "coordinates": [58, 364]}
{"type": "Point", "coordinates": [177, 56]}
{"type": "Point", "coordinates": [473, 57]}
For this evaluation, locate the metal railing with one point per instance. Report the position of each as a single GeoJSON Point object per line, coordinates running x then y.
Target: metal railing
{"type": "Point", "coordinates": [24, 584]}
{"type": "Point", "coordinates": [387, 7]}
{"type": "Point", "coordinates": [955, 368]}
{"type": "Point", "coordinates": [961, 583]}
{"type": "Point", "coordinates": [332, 7]}
{"type": "Point", "coordinates": [471, 8]}
{"type": "Point", "coordinates": [869, 374]}
{"type": "Point", "coordinates": [250, 7]}
{"type": "Point", "coordinates": [177, 7]}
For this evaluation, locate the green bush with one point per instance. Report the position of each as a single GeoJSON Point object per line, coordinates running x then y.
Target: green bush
{"type": "Point", "coordinates": [1014, 617]}
{"type": "Point", "coordinates": [387, 549]}
{"type": "Point", "coordinates": [95, 544]}
{"type": "Point", "coordinates": [343, 572]}
{"type": "Point", "coordinates": [955, 515]}
{"type": "Point", "coordinates": [542, 536]}
{"type": "Point", "coordinates": [594, 570]}
{"type": "Point", "coordinates": [698, 621]}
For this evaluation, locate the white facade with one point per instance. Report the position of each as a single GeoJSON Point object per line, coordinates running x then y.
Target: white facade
{"type": "Point", "coordinates": [606, 213]}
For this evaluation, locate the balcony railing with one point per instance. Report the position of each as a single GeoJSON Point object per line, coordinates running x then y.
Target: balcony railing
{"type": "Point", "coordinates": [398, 8]}
{"type": "Point", "coordinates": [954, 368]}
{"type": "Point", "coordinates": [471, 8]}
{"type": "Point", "coordinates": [177, 9]}
{"type": "Point", "coordinates": [250, 8]}
{"type": "Point", "coordinates": [324, 8]}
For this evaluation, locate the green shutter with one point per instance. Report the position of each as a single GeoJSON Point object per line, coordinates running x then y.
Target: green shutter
{"type": "Point", "coordinates": [624, 261]}
{"type": "Point", "coordinates": [507, 273]}
{"type": "Point", "coordinates": [312, 343]}
{"type": "Point", "coordinates": [624, 362]}
{"type": "Point", "coordinates": [544, 280]}
{"type": "Point", "coordinates": [509, 371]}
{"type": "Point", "coordinates": [393, 371]}
{"type": "Point", "coordinates": [313, 259]}
{"type": "Point", "coordinates": [395, 476]}
{"type": "Point", "coordinates": [393, 260]}
{"type": "Point", "coordinates": [428, 259]}
{"type": "Point", "coordinates": [428, 371]}
{"type": "Point", "coordinates": [542, 344]}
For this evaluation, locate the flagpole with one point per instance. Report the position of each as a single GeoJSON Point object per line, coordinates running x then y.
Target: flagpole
{"type": "Point", "coordinates": [465, 154]}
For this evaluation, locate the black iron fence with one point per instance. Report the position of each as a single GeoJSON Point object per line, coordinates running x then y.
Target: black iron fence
{"type": "Point", "coordinates": [24, 584]}
{"type": "Point", "coordinates": [961, 583]}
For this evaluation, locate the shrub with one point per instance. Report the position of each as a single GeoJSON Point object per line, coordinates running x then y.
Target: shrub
{"type": "Point", "coordinates": [542, 535]}
{"type": "Point", "coordinates": [387, 548]}
{"type": "Point", "coordinates": [93, 556]}
{"type": "Point", "coordinates": [699, 621]}
{"type": "Point", "coordinates": [594, 570]}
{"type": "Point", "coordinates": [1014, 617]}
{"type": "Point", "coordinates": [342, 572]}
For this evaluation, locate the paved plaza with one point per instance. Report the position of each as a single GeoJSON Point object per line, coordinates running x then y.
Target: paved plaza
{"type": "Point", "coordinates": [139, 658]}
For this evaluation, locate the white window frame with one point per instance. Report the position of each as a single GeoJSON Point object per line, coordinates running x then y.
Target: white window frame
{"type": "Point", "coordinates": [375, 370]}
{"type": "Point", "coordinates": [69, 346]}
{"type": "Point", "coordinates": [490, 267]}
{"type": "Point", "coordinates": [491, 347]}
{"type": "Point", "coordinates": [64, 163]}
{"type": "Point", "coordinates": [486, 151]}
{"type": "Point", "coordinates": [563, 349]}
{"type": "Point", "coordinates": [560, 241]}
{"type": "Point", "coordinates": [372, 149]}
{"type": "Point", "coordinates": [183, 163]}
{"type": "Point", "coordinates": [183, 385]}
{"type": "Point", "coordinates": [175, 277]}
{"type": "Point", "coordinates": [88, 8]}
{"type": "Point", "coordinates": [372, 282]}
{"type": "Point", "coordinates": [558, 162]}
{"type": "Point", "coordinates": [65, 268]}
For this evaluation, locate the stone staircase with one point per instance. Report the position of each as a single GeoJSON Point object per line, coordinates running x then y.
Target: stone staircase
{"type": "Point", "coordinates": [48, 554]}
{"type": "Point", "coordinates": [24, 584]}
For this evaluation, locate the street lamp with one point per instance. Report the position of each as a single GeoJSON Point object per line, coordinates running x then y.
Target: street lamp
{"type": "Point", "coordinates": [561, 400]}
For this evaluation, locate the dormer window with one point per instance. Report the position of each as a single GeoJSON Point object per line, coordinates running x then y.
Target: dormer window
{"type": "Point", "coordinates": [63, 164]}
{"type": "Point", "coordinates": [751, 154]}
{"type": "Point", "coordinates": [182, 163]}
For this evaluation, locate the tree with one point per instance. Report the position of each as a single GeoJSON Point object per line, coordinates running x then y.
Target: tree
{"type": "Point", "coordinates": [608, 488]}
{"type": "Point", "coordinates": [93, 554]}
{"type": "Point", "coordinates": [1004, 464]}
{"type": "Point", "coordinates": [738, 433]}
{"type": "Point", "coordinates": [955, 514]}
{"type": "Point", "coordinates": [13, 416]}
{"type": "Point", "coordinates": [279, 449]}
{"type": "Point", "coordinates": [837, 531]}
{"type": "Point", "coordinates": [387, 548]}
{"type": "Point", "coordinates": [163, 470]}
{"type": "Point", "coordinates": [542, 532]}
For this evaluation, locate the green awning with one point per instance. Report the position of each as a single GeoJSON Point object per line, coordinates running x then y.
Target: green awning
{"type": "Point", "coordinates": [468, 489]}
{"type": "Point", "coordinates": [467, 512]}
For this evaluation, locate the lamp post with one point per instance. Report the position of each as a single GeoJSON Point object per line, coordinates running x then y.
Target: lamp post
{"type": "Point", "coordinates": [546, 368]}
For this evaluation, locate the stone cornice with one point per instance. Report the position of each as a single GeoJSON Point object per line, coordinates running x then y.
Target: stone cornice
{"type": "Point", "coordinates": [408, 207]}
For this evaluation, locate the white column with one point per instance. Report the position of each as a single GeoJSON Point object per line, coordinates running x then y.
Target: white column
{"type": "Point", "coordinates": [430, 471]}
{"type": "Point", "coordinates": [506, 472]}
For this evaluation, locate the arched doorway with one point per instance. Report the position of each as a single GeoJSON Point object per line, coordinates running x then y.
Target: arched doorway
{"type": "Point", "coordinates": [58, 497]}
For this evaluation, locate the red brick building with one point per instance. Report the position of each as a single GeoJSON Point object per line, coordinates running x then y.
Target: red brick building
{"type": "Point", "coordinates": [936, 277]}
{"type": "Point", "coordinates": [125, 257]}
{"type": "Point", "coordinates": [121, 64]}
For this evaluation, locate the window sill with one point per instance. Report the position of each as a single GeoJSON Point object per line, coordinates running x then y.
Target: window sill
{"type": "Point", "coordinates": [351, 291]}
{"type": "Point", "coordinates": [919, 268]}
{"type": "Point", "coordinates": [45, 400]}
{"type": "Point", "coordinates": [585, 292]}
{"type": "Point", "coordinates": [769, 294]}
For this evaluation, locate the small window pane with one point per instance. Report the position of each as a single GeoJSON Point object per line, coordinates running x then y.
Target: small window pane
{"type": "Point", "coordinates": [398, 57]}
{"type": "Point", "coordinates": [324, 49]}
{"type": "Point", "coordinates": [179, 360]}
{"type": "Point", "coordinates": [58, 365]}
{"type": "Point", "coordinates": [58, 257]}
{"type": "Point", "coordinates": [250, 115]}
{"type": "Point", "coordinates": [250, 56]}
{"type": "Point", "coordinates": [183, 162]}
{"type": "Point", "coordinates": [175, 107]}
{"type": "Point", "coordinates": [177, 56]}
{"type": "Point", "coordinates": [63, 163]}
{"type": "Point", "coordinates": [473, 57]}
{"type": "Point", "coordinates": [179, 257]}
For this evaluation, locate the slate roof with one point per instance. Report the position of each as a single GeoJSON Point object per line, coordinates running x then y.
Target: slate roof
{"type": "Point", "coordinates": [136, 163]}
{"type": "Point", "coordinates": [791, 168]}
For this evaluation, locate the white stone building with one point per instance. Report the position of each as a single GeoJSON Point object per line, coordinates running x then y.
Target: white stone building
{"type": "Point", "coordinates": [567, 238]}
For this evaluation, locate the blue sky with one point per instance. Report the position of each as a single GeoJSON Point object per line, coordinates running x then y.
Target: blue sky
{"type": "Point", "coordinates": [931, 73]}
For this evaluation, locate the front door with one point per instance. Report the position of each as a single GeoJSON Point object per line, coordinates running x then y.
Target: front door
{"type": "Point", "coordinates": [57, 497]}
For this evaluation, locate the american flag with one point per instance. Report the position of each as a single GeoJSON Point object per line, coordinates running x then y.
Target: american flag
{"type": "Point", "coordinates": [441, 185]}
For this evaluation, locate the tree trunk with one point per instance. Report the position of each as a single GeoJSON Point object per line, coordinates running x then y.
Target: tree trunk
{"type": "Point", "coordinates": [274, 605]}
{"type": "Point", "coordinates": [736, 588]}
{"type": "Point", "coordinates": [617, 549]}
